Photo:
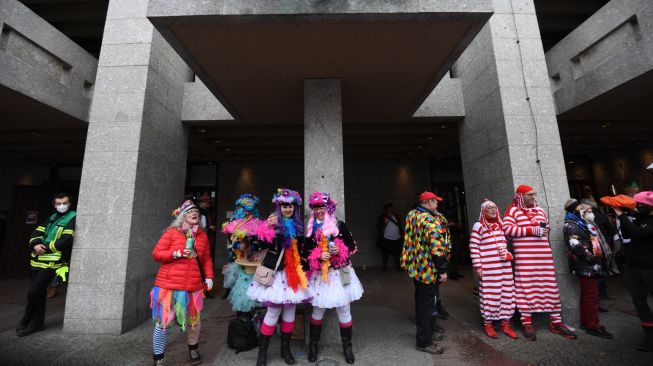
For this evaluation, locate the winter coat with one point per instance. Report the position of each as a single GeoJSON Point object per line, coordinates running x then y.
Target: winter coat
{"type": "Point", "coordinates": [182, 273]}
{"type": "Point", "coordinates": [337, 261]}
{"type": "Point", "coordinates": [583, 261]}
{"type": "Point", "coordinates": [640, 233]}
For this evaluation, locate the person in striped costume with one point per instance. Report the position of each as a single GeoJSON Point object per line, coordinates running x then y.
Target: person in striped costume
{"type": "Point", "coordinates": [536, 289]}
{"type": "Point", "coordinates": [491, 260]}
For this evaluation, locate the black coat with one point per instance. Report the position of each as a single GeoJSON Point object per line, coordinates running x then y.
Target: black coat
{"type": "Point", "coordinates": [640, 233]}
{"type": "Point", "coordinates": [310, 244]}
{"type": "Point", "coordinates": [582, 259]}
{"type": "Point", "coordinates": [274, 250]}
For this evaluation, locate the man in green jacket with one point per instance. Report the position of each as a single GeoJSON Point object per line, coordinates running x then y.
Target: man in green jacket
{"type": "Point", "coordinates": [50, 244]}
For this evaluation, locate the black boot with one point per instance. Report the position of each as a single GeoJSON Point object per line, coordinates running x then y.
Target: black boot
{"type": "Point", "coordinates": [194, 354]}
{"type": "Point", "coordinates": [263, 343]}
{"type": "Point", "coordinates": [647, 344]}
{"type": "Point", "coordinates": [285, 349]}
{"type": "Point", "coordinates": [345, 334]}
{"type": "Point", "coordinates": [23, 324]}
{"type": "Point", "coordinates": [314, 342]}
{"type": "Point", "coordinates": [158, 360]}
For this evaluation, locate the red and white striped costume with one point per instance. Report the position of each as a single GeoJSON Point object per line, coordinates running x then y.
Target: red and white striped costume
{"type": "Point", "coordinates": [487, 246]}
{"type": "Point", "coordinates": [536, 288]}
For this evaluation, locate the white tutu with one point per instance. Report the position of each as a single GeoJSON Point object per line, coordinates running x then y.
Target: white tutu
{"type": "Point", "coordinates": [279, 293]}
{"type": "Point", "coordinates": [333, 294]}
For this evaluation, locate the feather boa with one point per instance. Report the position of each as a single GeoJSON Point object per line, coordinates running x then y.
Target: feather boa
{"type": "Point", "coordinates": [293, 268]}
{"type": "Point", "coordinates": [265, 233]}
{"type": "Point", "coordinates": [337, 260]}
{"type": "Point", "coordinates": [292, 261]}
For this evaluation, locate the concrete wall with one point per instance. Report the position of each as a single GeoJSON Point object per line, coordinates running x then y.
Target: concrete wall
{"type": "Point", "coordinates": [613, 46]}
{"type": "Point", "coordinates": [371, 184]}
{"type": "Point", "coordinates": [39, 61]}
{"type": "Point", "coordinates": [510, 123]}
{"type": "Point", "coordinates": [446, 100]}
{"type": "Point", "coordinates": [28, 175]}
{"type": "Point", "coordinates": [201, 105]}
{"type": "Point", "coordinates": [133, 173]}
{"type": "Point", "coordinates": [402, 182]}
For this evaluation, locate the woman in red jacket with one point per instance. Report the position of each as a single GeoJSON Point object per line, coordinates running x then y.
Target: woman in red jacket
{"type": "Point", "coordinates": [178, 289]}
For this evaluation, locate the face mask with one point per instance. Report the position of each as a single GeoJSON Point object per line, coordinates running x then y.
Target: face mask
{"type": "Point", "coordinates": [62, 208]}
{"type": "Point", "coordinates": [589, 216]}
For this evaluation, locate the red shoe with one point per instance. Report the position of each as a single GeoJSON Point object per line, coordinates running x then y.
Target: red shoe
{"type": "Point", "coordinates": [562, 330]}
{"type": "Point", "coordinates": [507, 329]}
{"type": "Point", "coordinates": [489, 330]}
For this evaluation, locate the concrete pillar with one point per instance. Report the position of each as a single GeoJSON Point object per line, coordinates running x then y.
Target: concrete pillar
{"type": "Point", "coordinates": [133, 173]}
{"type": "Point", "coordinates": [511, 123]}
{"type": "Point", "coordinates": [323, 158]}
{"type": "Point", "coordinates": [323, 161]}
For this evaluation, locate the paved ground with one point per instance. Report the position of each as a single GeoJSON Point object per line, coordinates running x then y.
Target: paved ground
{"type": "Point", "coordinates": [383, 334]}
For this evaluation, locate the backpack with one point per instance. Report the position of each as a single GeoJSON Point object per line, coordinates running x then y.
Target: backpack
{"type": "Point", "coordinates": [241, 335]}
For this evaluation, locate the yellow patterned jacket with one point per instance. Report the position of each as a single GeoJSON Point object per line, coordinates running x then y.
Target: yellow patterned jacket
{"type": "Point", "coordinates": [426, 245]}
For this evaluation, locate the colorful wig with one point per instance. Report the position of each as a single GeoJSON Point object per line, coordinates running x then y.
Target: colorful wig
{"type": "Point", "coordinates": [246, 204]}
{"type": "Point", "coordinates": [330, 224]}
{"type": "Point", "coordinates": [288, 227]}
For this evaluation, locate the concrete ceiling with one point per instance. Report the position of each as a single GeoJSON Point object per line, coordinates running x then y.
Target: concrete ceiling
{"type": "Point", "coordinates": [629, 101]}
{"type": "Point", "coordinates": [32, 132]}
{"type": "Point", "coordinates": [387, 67]}
{"type": "Point", "coordinates": [254, 57]}
{"type": "Point", "coordinates": [616, 121]}
{"type": "Point", "coordinates": [409, 140]}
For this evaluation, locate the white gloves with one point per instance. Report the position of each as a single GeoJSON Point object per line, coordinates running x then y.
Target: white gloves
{"type": "Point", "coordinates": [209, 284]}
{"type": "Point", "coordinates": [176, 254]}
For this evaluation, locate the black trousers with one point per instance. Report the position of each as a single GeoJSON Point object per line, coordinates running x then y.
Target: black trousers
{"type": "Point", "coordinates": [424, 302]}
{"type": "Point", "coordinates": [391, 248]}
{"type": "Point", "coordinates": [640, 285]}
{"type": "Point", "coordinates": [37, 296]}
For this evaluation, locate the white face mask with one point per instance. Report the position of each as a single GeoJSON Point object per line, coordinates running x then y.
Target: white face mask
{"type": "Point", "coordinates": [589, 216]}
{"type": "Point", "coordinates": [62, 208]}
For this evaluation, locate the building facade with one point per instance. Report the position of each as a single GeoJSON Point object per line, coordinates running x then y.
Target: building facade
{"type": "Point", "coordinates": [372, 101]}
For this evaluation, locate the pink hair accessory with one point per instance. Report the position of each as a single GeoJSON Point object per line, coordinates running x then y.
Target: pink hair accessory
{"type": "Point", "coordinates": [321, 199]}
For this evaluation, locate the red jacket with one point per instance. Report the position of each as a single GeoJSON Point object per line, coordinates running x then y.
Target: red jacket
{"type": "Point", "coordinates": [183, 273]}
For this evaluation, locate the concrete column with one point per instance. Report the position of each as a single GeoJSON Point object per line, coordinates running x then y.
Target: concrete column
{"type": "Point", "coordinates": [133, 173]}
{"type": "Point", "coordinates": [511, 124]}
{"type": "Point", "coordinates": [323, 158]}
{"type": "Point", "coordinates": [323, 161]}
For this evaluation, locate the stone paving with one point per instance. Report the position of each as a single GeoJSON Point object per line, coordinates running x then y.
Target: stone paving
{"type": "Point", "coordinates": [383, 334]}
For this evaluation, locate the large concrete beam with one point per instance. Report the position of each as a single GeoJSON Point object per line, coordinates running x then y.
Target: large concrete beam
{"type": "Point", "coordinates": [510, 134]}
{"type": "Point", "coordinates": [200, 105]}
{"type": "Point", "coordinates": [611, 48]}
{"type": "Point", "coordinates": [133, 174]}
{"type": "Point", "coordinates": [42, 63]}
{"type": "Point", "coordinates": [445, 101]}
{"type": "Point", "coordinates": [254, 55]}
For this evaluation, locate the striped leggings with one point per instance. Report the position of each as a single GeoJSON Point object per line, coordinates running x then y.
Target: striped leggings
{"type": "Point", "coordinates": [160, 337]}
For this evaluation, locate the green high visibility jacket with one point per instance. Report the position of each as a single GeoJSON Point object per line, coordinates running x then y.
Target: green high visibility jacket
{"type": "Point", "coordinates": [56, 234]}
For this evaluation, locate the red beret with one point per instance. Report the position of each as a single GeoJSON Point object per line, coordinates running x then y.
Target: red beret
{"type": "Point", "coordinates": [426, 195]}
{"type": "Point", "coordinates": [523, 189]}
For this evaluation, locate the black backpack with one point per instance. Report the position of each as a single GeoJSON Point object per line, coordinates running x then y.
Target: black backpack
{"type": "Point", "coordinates": [241, 334]}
